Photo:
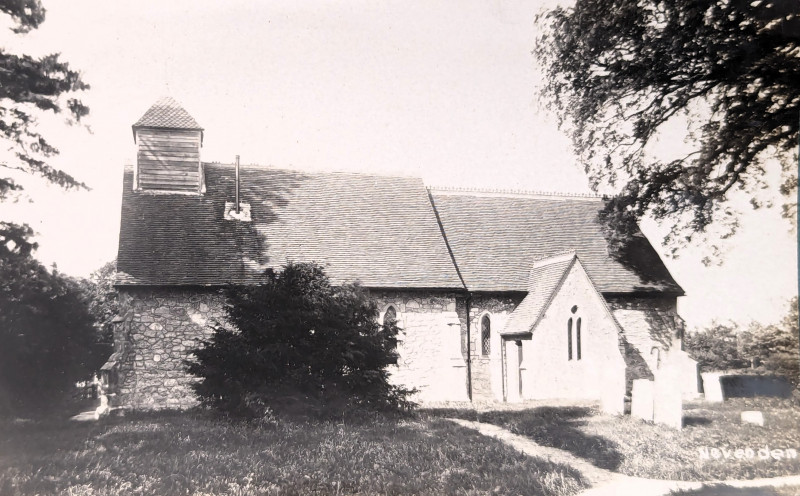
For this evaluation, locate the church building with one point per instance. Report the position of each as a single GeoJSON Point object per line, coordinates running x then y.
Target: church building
{"type": "Point", "coordinates": [501, 296]}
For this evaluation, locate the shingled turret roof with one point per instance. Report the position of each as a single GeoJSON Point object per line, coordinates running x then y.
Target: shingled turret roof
{"type": "Point", "coordinates": [167, 113]}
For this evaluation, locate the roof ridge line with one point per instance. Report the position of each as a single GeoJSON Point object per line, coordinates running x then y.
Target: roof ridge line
{"type": "Point", "coordinates": [310, 171]}
{"type": "Point", "coordinates": [512, 192]}
{"type": "Point", "coordinates": [560, 256]}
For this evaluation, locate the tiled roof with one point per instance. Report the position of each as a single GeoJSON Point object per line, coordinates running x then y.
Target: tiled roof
{"type": "Point", "coordinates": [496, 239]}
{"type": "Point", "coordinates": [544, 280]}
{"type": "Point", "coordinates": [167, 113]}
{"type": "Point", "coordinates": [379, 230]}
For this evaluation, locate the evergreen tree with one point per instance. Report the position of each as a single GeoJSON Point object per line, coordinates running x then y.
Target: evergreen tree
{"type": "Point", "coordinates": [28, 87]}
{"type": "Point", "coordinates": [47, 335]}
{"type": "Point", "coordinates": [298, 343]}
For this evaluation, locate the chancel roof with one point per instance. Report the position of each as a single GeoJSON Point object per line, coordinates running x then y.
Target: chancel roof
{"type": "Point", "coordinates": [497, 238]}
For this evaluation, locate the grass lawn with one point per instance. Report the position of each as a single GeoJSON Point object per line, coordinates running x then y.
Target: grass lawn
{"type": "Point", "coordinates": [637, 448]}
{"type": "Point", "coordinates": [723, 490]}
{"type": "Point", "coordinates": [193, 453]}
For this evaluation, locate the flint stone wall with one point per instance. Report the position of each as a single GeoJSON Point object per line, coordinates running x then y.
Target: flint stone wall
{"type": "Point", "coordinates": [487, 372]}
{"type": "Point", "coordinates": [651, 327]}
{"type": "Point", "coordinates": [165, 325]}
{"type": "Point", "coordinates": [430, 346]}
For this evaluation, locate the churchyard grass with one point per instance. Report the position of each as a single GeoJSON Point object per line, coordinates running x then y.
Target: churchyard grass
{"type": "Point", "coordinates": [725, 490]}
{"type": "Point", "coordinates": [705, 449]}
{"type": "Point", "coordinates": [195, 453]}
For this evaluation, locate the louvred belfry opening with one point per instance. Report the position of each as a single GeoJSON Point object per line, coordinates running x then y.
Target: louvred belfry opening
{"type": "Point", "coordinates": [168, 155]}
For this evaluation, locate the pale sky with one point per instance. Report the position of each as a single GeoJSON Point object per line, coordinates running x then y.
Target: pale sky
{"type": "Point", "coordinates": [445, 90]}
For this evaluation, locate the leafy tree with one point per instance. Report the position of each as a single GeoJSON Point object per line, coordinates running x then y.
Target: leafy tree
{"type": "Point", "coordinates": [47, 336]}
{"type": "Point", "coordinates": [103, 299]}
{"type": "Point", "coordinates": [28, 87]}
{"type": "Point", "coordinates": [775, 348]}
{"type": "Point", "coordinates": [618, 72]}
{"type": "Point", "coordinates": [297, 343]}
{"type": "Point", "coordinates": [716, 348]}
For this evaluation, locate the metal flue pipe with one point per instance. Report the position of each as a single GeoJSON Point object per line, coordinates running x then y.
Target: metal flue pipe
{"type": "Point", "coordinates": [237, 184]}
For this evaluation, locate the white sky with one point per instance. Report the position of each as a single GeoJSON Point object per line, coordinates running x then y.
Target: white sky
{"type": "Point", "coordinates": [445, 90]}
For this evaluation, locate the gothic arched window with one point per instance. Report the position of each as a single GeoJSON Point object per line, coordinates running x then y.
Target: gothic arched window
{"type": "Point", "coordinates": [569, 339]}
{"type": "Point", "coordinates": [390, 315]}
{"type": "Point", "coordinates": [486, 333]}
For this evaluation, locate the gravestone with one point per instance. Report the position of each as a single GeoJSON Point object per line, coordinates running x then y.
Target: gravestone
{"type": "Point", "coordinates": [753, 417]}
{"type": "Point", "coordinates": [712, 387]}
{"type": "Point", "coordinates": [752, 386]}
{"type": "Point", "coordinates": [642, 399]}
{"type": "Point", "coordinates": [612, 400]}
{"type": "Point", "coordinates": [668, 394]}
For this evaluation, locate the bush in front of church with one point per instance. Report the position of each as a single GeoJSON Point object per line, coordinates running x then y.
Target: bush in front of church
{"type": "Point", "coordinates": [296, 344]}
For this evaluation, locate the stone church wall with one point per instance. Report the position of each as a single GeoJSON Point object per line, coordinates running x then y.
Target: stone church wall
{"type": "Point", "coordinates": [563, 360]}
{"type": "Point", "coordinates": [487, 374]}
{"type": "Point", "coordinates": [164, 325]}
{"type": "Point", "coordinates": [431, 343]}
{"type": "Point", "coordinates": [651, 326]}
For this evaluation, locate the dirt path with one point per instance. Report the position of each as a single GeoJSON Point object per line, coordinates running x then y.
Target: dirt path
{"type": "Point", "coordinates": [604, 482]}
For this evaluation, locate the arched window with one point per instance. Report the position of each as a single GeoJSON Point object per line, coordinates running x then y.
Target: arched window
{"type": "Point", "coordinates": [486, 333]}
{"type": "Point", "coordinates": [577, 322]}
{"type": "Point", "coordinates": [569, 339]}
{"type": "Point", "coordinates": [390, 315]}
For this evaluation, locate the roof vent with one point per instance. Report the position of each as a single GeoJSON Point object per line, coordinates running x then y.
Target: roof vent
{"type": "Point", "coordinates": [242, 215]}
{"type": "Point", "coordinates": [237, 210]}
{"type": "Point", "coordinates": [168, 156]}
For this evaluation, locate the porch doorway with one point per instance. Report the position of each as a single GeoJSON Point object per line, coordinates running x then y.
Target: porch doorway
{"type": "Point", "coordinates": [512, 374]}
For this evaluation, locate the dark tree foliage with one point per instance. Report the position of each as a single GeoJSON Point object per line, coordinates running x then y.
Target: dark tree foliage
{"type": "Point", "coordinates": [298, 344]}
{"type": "Point", "coordinates": [47, 337]}
{"type": "Point", "coordinates": [30, 86]}
{"type": "Point", "coordinates": [773, 348]}
{"type": "Point", "coordinates": [618, 70]}
{"type": "Point", "coordinates": [716, 348]}
{"type": "Point", "coordinates": [103, 299]}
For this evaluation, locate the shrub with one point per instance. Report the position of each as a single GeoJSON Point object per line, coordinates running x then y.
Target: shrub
{"type": "Point", "coordinates": [298, 344]}
{"type": "Point", "coordinates": [47, 335]}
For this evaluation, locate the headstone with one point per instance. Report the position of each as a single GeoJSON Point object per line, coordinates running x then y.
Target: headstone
{"type": "Point", "coordinates": [642, 399]}
{"type": "Point", "coordinates": [667, 395]}
{"type": "Point", "coordinates": [103, 408]}
{"type": "Point", "coordinates": [753, 417]}
{"type": "Point", "coordinates": [689, 371]}
{"type": "Point", "coordinates": [612, 400]}
{"type": "Point", "coordinates": [712, 387]}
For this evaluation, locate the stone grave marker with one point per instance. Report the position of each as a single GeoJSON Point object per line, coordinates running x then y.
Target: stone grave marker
{"type": "Point", "coordinates": [667, 395]}
{"type": "Point", "coordinates": [753, 417]}
{"type": "Point", "coordinates": [712, 387]}
{"type": "Point", "coordinates": [642, 399]}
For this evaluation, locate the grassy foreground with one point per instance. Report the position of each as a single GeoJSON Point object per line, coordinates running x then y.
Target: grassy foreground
{"type": "Point", "coordinates": [192, 453]}
{"type": "Point", "coordinates": [705, 449]}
